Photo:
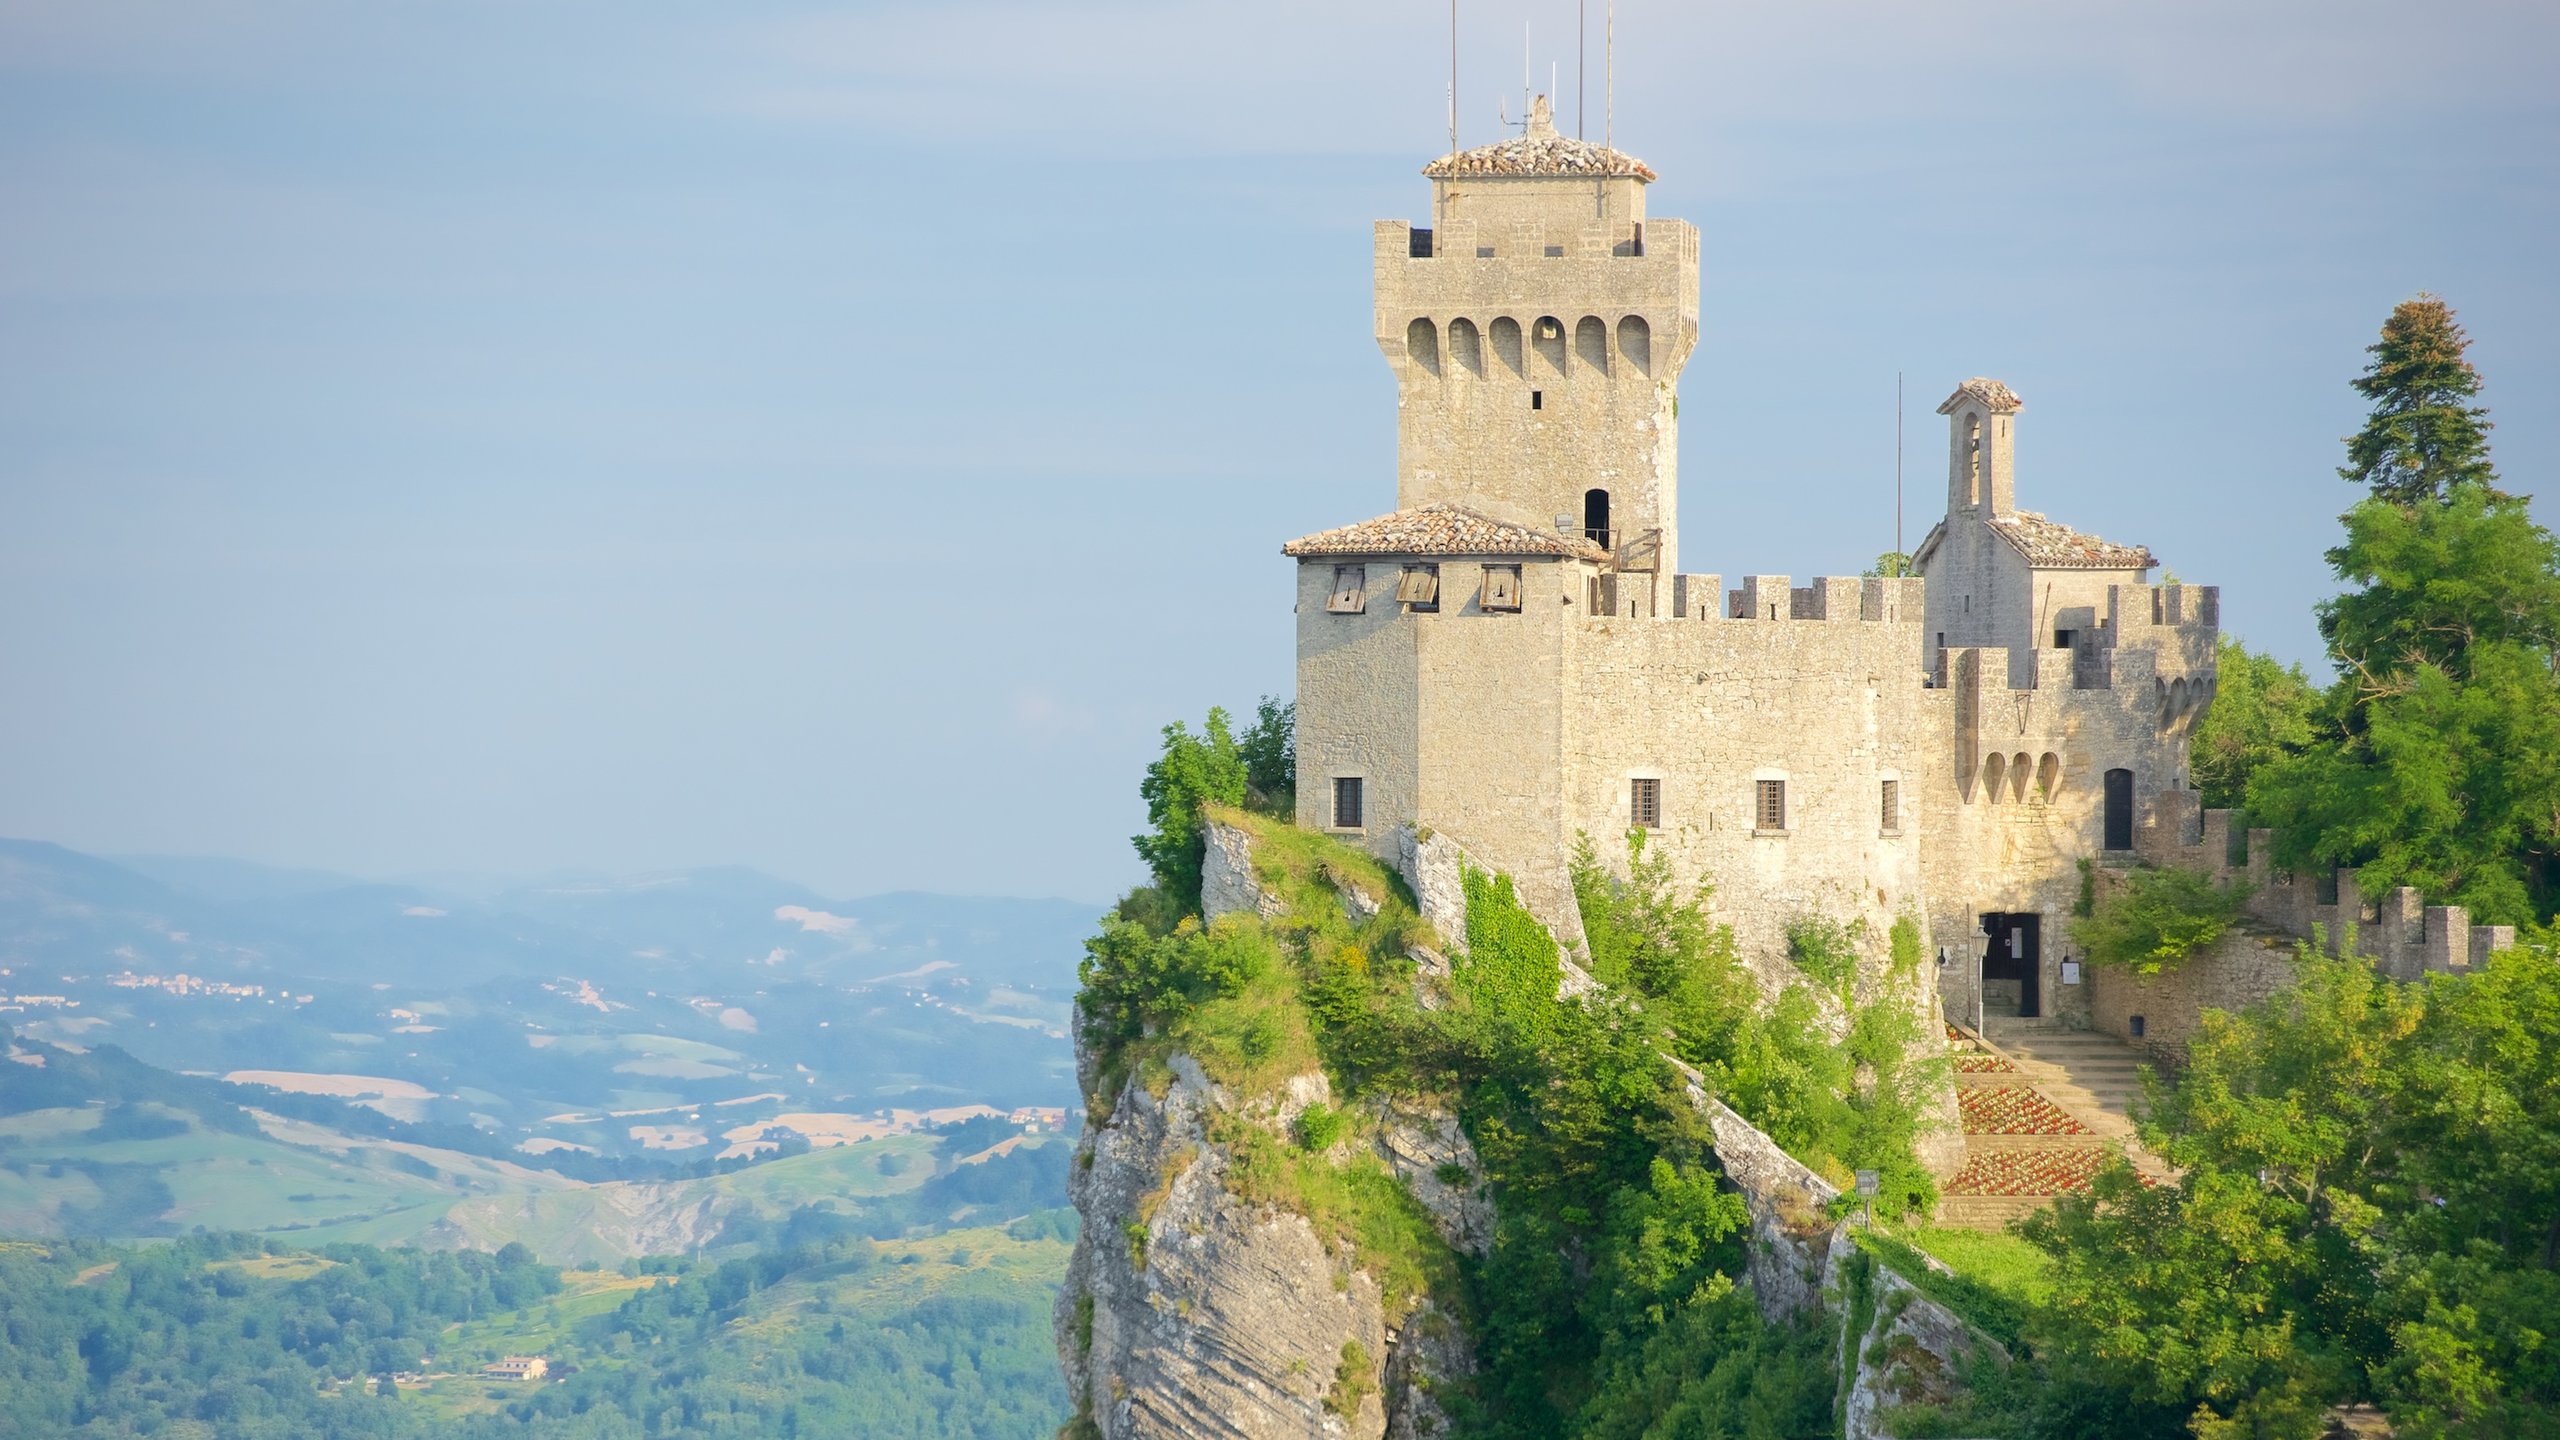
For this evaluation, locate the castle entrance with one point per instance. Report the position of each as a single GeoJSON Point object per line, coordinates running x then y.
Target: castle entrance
{"type": "Point", "coordinates": [2012, 961]}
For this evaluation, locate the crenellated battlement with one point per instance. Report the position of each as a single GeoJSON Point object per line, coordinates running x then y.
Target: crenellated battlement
{"type": "Point", "coordinates": [2405, 937]}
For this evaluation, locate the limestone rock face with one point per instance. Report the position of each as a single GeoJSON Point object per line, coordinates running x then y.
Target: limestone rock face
{"type": "Point", "coordinates": [1188, 1312]}
{"type": "Point", "coordinates": [1913, 1352]}
{"type": "Point", "coordinates": [1228, 885]}
{"type": "Point", "coordinates": [1791, 1228]}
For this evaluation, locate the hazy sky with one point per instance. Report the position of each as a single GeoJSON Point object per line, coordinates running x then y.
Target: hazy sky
{"type": "Point", "coordinates": [503, 437]}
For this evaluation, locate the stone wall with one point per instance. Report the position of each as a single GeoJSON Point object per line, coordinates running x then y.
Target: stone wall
{"type": "Point", "coordinates": [2403, 936]}
{"type": "Point", "coordinates": [1525, 378]}
{"type": "Point", "coordinates": [2238, 970]}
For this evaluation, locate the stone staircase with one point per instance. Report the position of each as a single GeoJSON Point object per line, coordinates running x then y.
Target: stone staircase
{"type": "Point", "coordinates": [2069, 1089]}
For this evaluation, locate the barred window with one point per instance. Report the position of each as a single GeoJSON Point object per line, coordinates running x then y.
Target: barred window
{"type": "Point", "coordinates": [1893, 804]}
{"type": "Point", "coordinates": [1350, 590]}
{"type": "Point", "coordinates": [1419, 587]}
{"type": "Point", "coordinates": [1346, 802]}
{"type": "Point", "coordinates": [1644, 804]}
{"type": "Point", "coordinates": [1772, 811]}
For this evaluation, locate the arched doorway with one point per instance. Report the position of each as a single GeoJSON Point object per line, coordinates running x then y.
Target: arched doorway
{"type": "Point", "coordinates": [1595, 517]}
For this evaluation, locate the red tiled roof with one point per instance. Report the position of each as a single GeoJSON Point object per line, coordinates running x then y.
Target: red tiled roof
{"type": "Point", "coordinates": [1441, 530]}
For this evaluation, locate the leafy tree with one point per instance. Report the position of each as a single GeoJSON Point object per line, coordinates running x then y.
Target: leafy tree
{"type": "Point", "coordinates": [2366, 1209]}
{"type": "Point", "coordinates": [1193, 771]}
{"type": "Point", "coordinates": [2431, 583]}
{"type": "Point", "coordinates": [2424, 436]}
{"type": "Point", "coordinates": [1269, 748]}
{"type": "Point", "coordinates": [2435, 762]}
{"type": "Point", "coordinates": [1889, 565]}
{"type": "Point", "coordinates": [2261, 711]}
{"type": "Point", "coordinates": [2155, 919]}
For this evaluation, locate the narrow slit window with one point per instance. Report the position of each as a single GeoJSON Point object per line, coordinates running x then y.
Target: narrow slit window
{"type": "Point", "coordinates": [1892, 804]}
{"type": "Point", "coordinates": [1644, 804]}
{"type": "Point", "coordinates": [1419, 587]}
{"type": "Point", "coordinates": [1346, 802]}
{"type": "Point", "coordinates": [1771, 810]}
{"type": "Point", "coordinates": [1537, 399]}
{"type": "Point", "coordinates": [1350, 590]}
{"type": "Point", "coordinates": [1501, 588]}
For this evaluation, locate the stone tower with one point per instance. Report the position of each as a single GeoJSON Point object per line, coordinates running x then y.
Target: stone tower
{"type": "Point", "coordinates": [1537, 329]}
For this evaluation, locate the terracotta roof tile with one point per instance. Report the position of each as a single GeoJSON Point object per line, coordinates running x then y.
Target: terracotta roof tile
{"type": "Point", "coordinates": [1539, 150]}
{"type": "Point", "coordinates": [1441, 530]}
{"type": "Point", "coordinates": [1999, 399]}
{"type": "Point", "coordinates": [2052, 545]}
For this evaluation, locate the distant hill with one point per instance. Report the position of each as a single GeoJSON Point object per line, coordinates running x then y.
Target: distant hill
{"type": "Point", "coordinates": [97, 1144]}
{"type": "Point", "coordinates": [678, 1017]}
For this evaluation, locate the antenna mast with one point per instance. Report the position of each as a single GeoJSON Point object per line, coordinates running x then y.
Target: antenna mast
{"type": "Point", "coordinates": [1581, 66]}
{"type": "Point", "coordinates": [1901, 566]}
{"type": "Point", "coordinates": [1453, 77]}
{"type": "Point", "coordinates": [1609, 112]}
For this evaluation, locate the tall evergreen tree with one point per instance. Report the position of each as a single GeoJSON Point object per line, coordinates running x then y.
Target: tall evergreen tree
{"type": "Point", "coordinates": [2437, 758]}
{"type": "Point", "coordinates": [2424, 435]}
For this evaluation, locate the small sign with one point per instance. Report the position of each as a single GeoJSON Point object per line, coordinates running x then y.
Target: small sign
{"type": "Point", "coordinates": [2070, 972]}
{"type": "Point", "coordinates": [1867, 1182]}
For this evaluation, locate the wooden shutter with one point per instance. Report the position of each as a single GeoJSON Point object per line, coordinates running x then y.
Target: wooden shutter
{"type": "Point", "coordinates": [1350, 590]}
{"type": "Point", "coordinates": [1420, 585]}
{"type": "Point", "coordinates": [1501, 587]}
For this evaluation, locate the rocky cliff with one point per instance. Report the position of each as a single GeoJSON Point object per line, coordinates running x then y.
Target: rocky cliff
{"type": "Point", "coordinates": [1191, 1310]}
{"type": "Point", "coordinates": [1240, 1272]}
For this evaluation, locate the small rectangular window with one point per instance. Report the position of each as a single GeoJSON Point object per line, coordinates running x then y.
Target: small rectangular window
{"type": "Point", "coordinates": [1346, 802]}
{"type": "Point", "coordinates": [1501, 588]}
{"type": "Point", "coordinates": [1419, 587]}
{"type": "Point", "coordinates": [1350, 590]}
{"type": "Point", "coordinates": [2062, 639]}
{"type": "Point", "coordinates": [1772, 811]}
{"type": "Point", "coordinates": [1537, 399]}
{"type": "Point", "coordinates": [1644, 804]}
{"type": "Point", "coordinates": [1893, 804]}
{"type": "Point", "coordinates": [1484, 252]}
{"type": "Point", "coordinates": [1555, 252]}
{"type": "Point", "coordinates": [1419, 246]}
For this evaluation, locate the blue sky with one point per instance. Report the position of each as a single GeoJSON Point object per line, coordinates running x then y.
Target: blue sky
{"type": "Point", "coordinates": [509, 437]}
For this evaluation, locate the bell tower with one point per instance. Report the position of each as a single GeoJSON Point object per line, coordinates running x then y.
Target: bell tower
{"type": "Point", "coordinates": [1537, 329]}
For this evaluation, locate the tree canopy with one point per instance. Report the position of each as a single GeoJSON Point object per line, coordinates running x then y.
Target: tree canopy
{"type": "Point", "coordinates": [2424, 435]}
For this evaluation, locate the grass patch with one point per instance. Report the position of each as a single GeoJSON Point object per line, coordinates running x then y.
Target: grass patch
{"type": "Point", "coordinates": [1996, 1279]}
{"type": "Point", "coordinates": [1359, 1203]}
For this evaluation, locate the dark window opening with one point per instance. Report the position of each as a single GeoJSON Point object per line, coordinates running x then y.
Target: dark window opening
{"type": "Point", "coordinates": [1771, 811]}
{"type": "Point", "coordinates": [1346, 802]}
{"type": "Point", "coordinates": [2119, 810]}
{"type": "Point", "coordinates": [1595, 517]}
{"type": "Point", "coordinates": [2134, 1025]}
{"type": "Point", "coordinates": [1644, 804]}
{"type": "Point", "coordinates": [2062, 639]}
{"type": "Point", "coordinates": [1421, 246]}
{"type": "Point", "coordinates": [1537, 399]}
{"type": "Point", "coordinates": [1484, 252]}
{"type": "Point", "coordinates": [1555, 252]}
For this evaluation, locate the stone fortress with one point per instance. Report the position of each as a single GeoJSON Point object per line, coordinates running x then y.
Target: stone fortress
{"type": "Point", "coordinates": [1514, 659]}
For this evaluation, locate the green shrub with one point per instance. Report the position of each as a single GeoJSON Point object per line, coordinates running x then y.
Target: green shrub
{"type": "Point", "coordinates": [1319, 1126]}
{"type": "Point", "coordinates": [2157, 918]}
